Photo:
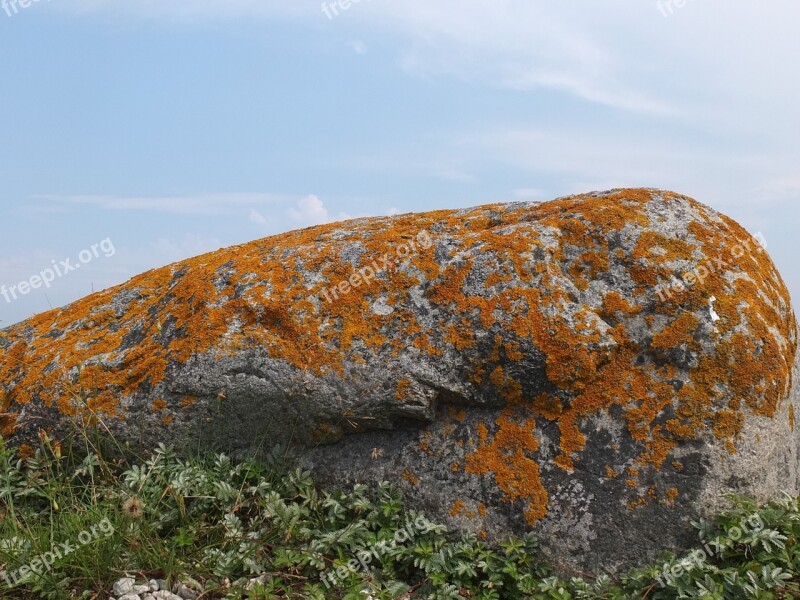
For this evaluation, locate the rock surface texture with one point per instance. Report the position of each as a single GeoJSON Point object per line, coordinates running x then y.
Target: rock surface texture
{"type": "Point", "coordinates": [598, 370]}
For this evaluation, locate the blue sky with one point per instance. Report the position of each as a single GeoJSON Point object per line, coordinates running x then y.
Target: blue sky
{"type": "Point", "coordinates": [173, 127]}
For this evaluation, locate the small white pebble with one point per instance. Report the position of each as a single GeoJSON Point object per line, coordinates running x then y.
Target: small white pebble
{"type": "Point", "coordinates": [165, 595]}
{"type": "Point", "coordinates": [186, 593]}
{"type": "Point", "coordinates": [123, 586]}
{"type": "Point", "coordinates": [714, 316]}
{"type": "Point", "coordinates": [263, 580]}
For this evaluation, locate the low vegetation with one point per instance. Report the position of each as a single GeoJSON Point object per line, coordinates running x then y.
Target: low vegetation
{"type": "Point", "coordinates": [263, 530]}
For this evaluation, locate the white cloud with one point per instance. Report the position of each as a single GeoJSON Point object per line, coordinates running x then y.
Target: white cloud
{"type": "Point", "coordinates": [257, 218]}
{"type": "Point", "coordinates": [358, 46]}
{"type": "Point", "coordinates": [310, 211]}
{"type": "Point", "coordinates": [168, 250]}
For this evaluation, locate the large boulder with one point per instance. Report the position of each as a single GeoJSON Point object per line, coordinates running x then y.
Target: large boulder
{"type": "Point", "coordinates": [598, 370]}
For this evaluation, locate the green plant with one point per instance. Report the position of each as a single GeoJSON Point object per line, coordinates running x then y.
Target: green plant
{"type": "Point", "coordinates": [263, 530]}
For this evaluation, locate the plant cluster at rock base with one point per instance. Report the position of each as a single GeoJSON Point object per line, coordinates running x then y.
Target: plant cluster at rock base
{"type": "Point", "coordinates": [263, 530]}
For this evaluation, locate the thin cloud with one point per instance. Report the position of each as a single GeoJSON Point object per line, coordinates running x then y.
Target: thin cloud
{"type": "Point", "coordinates": [209, 204]}
{"type": "Point", "coordinates": [529, 193]}
{"type": "Point", "coordinates": [358, 47]}
{"type": "Point", "coordinates": [589, 52]}
{"type": "Point", "coordinates": [514, 44]}
{"type": "Point", "coordinates": [308, 210]}
{"type": "Point", "coordinates": [456, 176]}
{"type": "Point", "coordinates": [257, 218]}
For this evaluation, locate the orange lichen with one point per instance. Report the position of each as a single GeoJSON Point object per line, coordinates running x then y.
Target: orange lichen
{"type": "Point", "coordinates": [727, 424]}
{"type": "Point", "coordinates": [565, 462]}
{"type": "Point", "coordinates": [655, 246]}
{"type": "Point", "coordinates": [638, 503]}
{"type": "Point", "coordinates": [587, 267]}
{"type": "Point", "coordinates": [402, 389]}
{"type": "Point", "coordinates": [507, 456]}
{"type": "Point", "coordinates": [424, 444]}
{"type": "Point", "coordinates": [614, 305]}
{"type": "Point", "coordinates": [325, 433]}
{"type": "Point", "coordinates": [8, 422]}
{"type": "Point", "coordinates": [547, 406]}
{"type": "Point", "coordinates": [188, 401]}
{"type": "Point", "coordinates": [458, 508]}
{"type": "Point", "coordinates": [672, 495]}
{"type": "Point", "coordinates": [681, 331]}
{"type": "Point", "coordinates": [410, 477]}
{"type": "Point", "coordinates": [508, 387]}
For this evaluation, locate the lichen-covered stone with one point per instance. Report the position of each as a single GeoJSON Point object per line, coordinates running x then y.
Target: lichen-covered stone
{"type": "Point", "coordinates": [599, 369]}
